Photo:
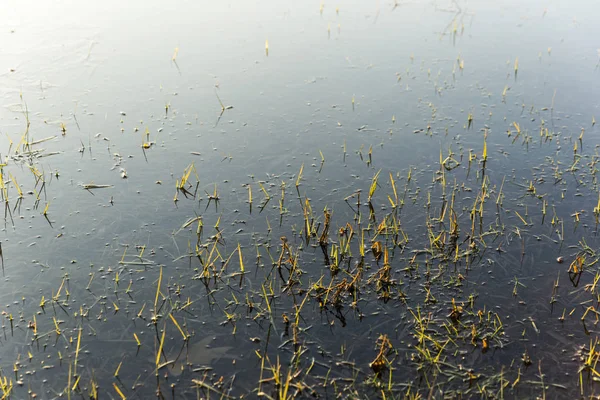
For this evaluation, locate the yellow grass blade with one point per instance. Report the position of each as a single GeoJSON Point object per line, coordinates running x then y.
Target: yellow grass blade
{"type": "Point", "coordinates": [178, 327]}
{"type": "Point", "coordinates": [158, 289]}
{"type": "Point", "coordinates": [239, 249]}
{"type": "Point", "coordinates": [299, 175]}
{"type": "Point", "coordinates": [119, 391]}
{"type": "Point", "coordinates": [160, 347]}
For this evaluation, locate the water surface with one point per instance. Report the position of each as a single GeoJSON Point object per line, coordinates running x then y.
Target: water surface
{"type": "Point", "coordinates": [346, 91]}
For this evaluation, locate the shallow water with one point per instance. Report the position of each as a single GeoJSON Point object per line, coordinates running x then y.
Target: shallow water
{"type": "Point", "coordinates": [339, 81]}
